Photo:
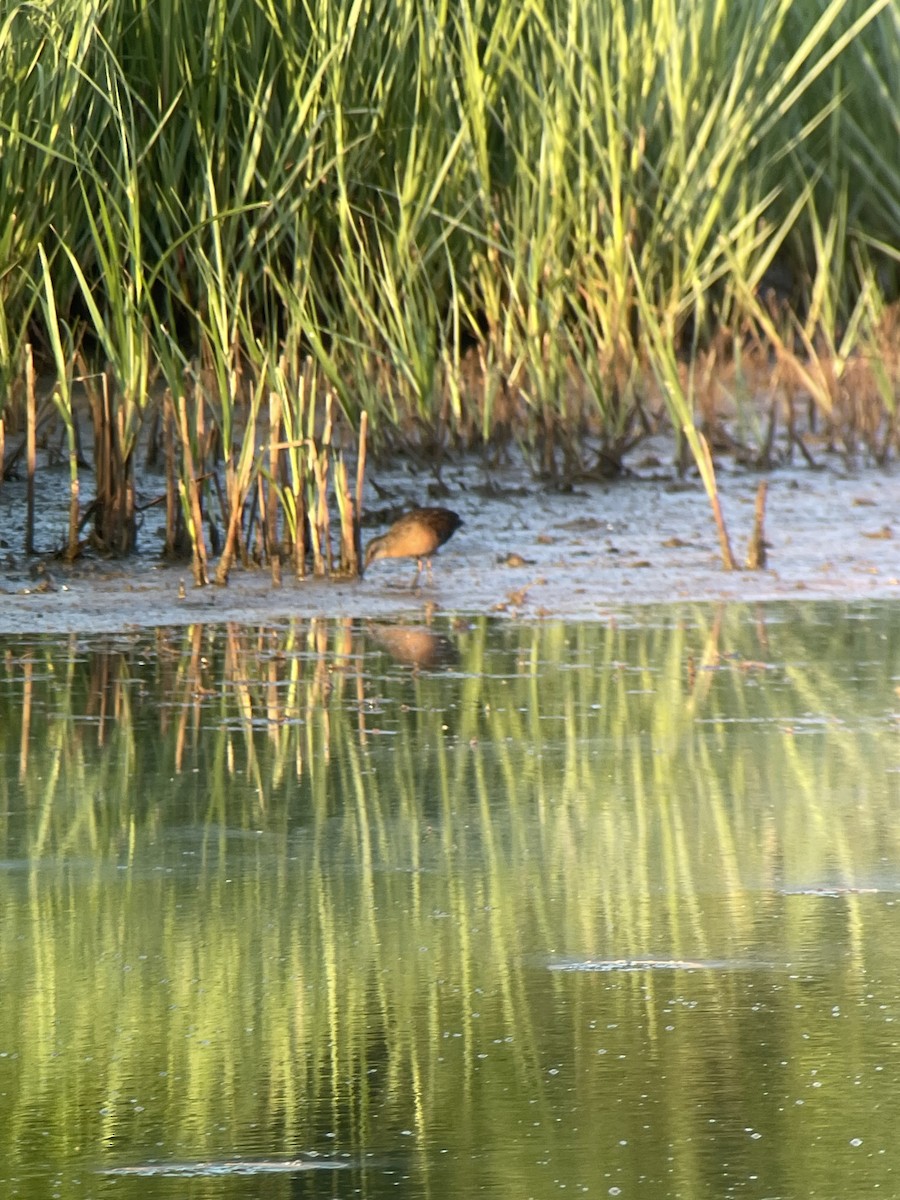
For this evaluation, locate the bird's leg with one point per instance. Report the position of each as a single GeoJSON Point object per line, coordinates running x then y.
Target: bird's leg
{"type": "Point", "coordinates": [418, 574]}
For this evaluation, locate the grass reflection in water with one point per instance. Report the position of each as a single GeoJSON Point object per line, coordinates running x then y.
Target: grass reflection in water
{"type": "Point", "coordinates": [276, 891]}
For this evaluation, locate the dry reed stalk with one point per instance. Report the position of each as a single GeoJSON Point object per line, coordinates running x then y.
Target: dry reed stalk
{"type": "Point", "coordinates": [300, 517]}
{"type": "Point", "coordinates": [756, 551]}
{"type": "Point", "coordinates": [198, 544]}
{"type": "Point", "coordinates": [329, 423]}
{"type": "Point", "coordinates": [172, 508]}
{"type": "Point", "coordinates": [104, 432]}
{"type": "Point", "coordinates": [229, 500]}
{"type": "Point", "coordinates": [324, 517]}
{"type": "Point", "coordinates": [294, 484]}
{"type": "Point", "coordinates": [31, 444]}
{"type": "Point", "coordinates": [245, 484]}
{"type": "Point", "coordinates": [115, 518]}
{"type": "Point", "coordinates": [258, 520]}
{"type": "Point", "coordinates": [72, 549]}
{"type": "Point", "coordinates": [272, 547]}
{"type": "Point", "coordinates": [285, 548]}
{"type": "Point", "coordinates": [724, 543]}
{"type": "Point", "coordinates": [101, 445]}
{"type": "Point", "coordinates": [125, 509]}
{"type": "Point", "coordinates": [200, 430]}
{"type": "Point", "coordinates": [234, 534]}
{"type": "Point", "coordinates": [298, 462]}
{"type": "Point", "coordinates": [323, 463]}
{"type": "Point", "coordinates": [360, 478]}
{"type": "Point", "coordinates": [346, 509]}
{"type": "Point", "coordinates": [240, 489]}
{"type": "Point", "coordinates": [318, 526]}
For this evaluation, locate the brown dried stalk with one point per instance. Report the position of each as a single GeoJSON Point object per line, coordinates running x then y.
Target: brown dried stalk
{"type": "Point", "coordinates": [31, 452]}
{"type": "Point", "coordinates": [271, 543]}
{"type": "Point", "coordinates": [198, 543]}
{"type": "Point", "coordinates": [756, 551]}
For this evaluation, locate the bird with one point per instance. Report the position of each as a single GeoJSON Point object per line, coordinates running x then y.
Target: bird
{"type": "Point", "coordinates": [417, 534]}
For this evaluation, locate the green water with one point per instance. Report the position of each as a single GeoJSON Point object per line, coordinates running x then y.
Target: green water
{"type": "Point", "coordinates": [605, 910]}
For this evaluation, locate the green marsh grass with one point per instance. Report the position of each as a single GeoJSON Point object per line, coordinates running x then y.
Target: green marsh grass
{"type": "Point", "coordinates": [477, 220]}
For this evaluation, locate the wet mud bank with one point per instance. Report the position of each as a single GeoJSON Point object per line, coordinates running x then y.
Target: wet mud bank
{"type": "Point", "coordinates": [522, 551]}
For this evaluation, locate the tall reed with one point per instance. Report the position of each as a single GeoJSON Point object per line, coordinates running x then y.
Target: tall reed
{"type": "Point", "coordinates": [474, 218]}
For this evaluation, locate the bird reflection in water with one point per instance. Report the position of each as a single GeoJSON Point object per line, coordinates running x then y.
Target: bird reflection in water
{"type": "Point", "coordinates": [415, 646]}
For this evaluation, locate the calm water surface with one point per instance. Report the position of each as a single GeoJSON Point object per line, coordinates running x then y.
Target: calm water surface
{"type": "Point", "coordinates": [484, 909]}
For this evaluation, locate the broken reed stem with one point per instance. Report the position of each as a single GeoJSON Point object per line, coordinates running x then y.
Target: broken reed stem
{"type": "Point", "coordinates": [756, 551]}
{"type": "Point", "coordinates": [31, 447]}
{"type": "Point", "coordinates": [198, 545]}
{"type": "Point", "coordinates": [724, 542]}
{"type": "Point", "coordinates": [74, 512]}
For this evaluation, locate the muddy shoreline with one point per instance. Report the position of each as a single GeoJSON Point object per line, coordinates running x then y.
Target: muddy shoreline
{"type": "Point", "coordinates": [523, 552]}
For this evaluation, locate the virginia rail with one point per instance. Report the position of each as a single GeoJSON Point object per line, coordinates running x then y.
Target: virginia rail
{"type": "Point", "coordinates": [417, 534]}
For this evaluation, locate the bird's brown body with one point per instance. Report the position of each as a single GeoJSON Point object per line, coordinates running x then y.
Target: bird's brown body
{"type": "Point", "coordinates": [417, 534]}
